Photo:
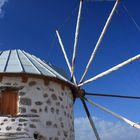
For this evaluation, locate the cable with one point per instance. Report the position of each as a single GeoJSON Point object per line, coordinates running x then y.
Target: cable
{"type": "Point", "coordinates": [131, 17]}
{"type": "Point", "coordinates": [67, 19]}
{"type": "Point", "coordinates": [51, 46]}
{"type": "Point", "coordinates": [98, 0]}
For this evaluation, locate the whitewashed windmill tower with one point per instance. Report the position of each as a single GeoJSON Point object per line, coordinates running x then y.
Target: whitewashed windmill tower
{"type": "Point", "coordinates": [36, 98]}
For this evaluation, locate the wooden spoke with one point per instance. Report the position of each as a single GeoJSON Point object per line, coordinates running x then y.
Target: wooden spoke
{"type": "Point", "coordinates": [65, 54]}
{"type": "Point", "coordinates": [111, 70]}
{"type": "Point", "coordinates": [76, 37]}
{"type": "Point", "coordinates": [90, 120]}
{"type": "Point", "coordinates": [99, 40]}
{"type": "Point", "coordinates": [131, 123]}
{"type": "Point", "coordinates": [113, 95]}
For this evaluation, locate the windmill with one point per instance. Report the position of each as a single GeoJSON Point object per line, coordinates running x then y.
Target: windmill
{"type": "Point", "coordinates": [71, 66]}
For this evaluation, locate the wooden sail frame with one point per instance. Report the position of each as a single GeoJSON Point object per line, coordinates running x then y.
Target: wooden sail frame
{"type": "Point", "coordinates": [80, 93]}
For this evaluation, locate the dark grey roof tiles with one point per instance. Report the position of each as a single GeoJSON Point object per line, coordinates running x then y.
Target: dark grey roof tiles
{"type": "Point", "coordinates": [17, 61]}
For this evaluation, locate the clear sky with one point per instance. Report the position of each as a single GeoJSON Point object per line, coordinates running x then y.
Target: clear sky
{"type": "Point", "coordinates": [30, 25]}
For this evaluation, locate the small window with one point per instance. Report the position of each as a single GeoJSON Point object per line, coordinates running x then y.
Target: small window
{"type": "Point", "coordinates": [8, 103]}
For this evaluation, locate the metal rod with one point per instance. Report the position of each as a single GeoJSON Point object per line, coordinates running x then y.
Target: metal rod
{"type": "Point", "coordinates": [99, 40]}
{"type": "Point", "coordinates": [90, 120]}
{"type": "Point", "coordinates": [112, 95]}
{"type": "Point", "coordinates": [131, 123]}
{"type": "Point", "coordinates": [76, 37]}
{"type": "Point", "coordinates": [64, 53]}
{"type": "Point", "coordinates": [111, 70]}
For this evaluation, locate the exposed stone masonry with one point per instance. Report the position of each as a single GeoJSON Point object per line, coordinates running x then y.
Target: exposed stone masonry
{"type": "Point", "coordinates": [52, 104]}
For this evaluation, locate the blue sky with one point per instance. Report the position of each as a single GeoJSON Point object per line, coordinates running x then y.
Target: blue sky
{"type": "Point", "coordinates": [30, 26]}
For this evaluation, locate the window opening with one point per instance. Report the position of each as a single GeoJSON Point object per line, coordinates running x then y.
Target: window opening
{"type": "Point", "coordinates": [8, 103]}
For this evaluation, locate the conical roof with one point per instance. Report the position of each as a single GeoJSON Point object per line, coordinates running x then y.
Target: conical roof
{"type": "Point", "coordinates": [18, 61]}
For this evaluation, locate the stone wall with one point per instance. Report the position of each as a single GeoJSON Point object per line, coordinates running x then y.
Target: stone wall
{"type": "Point", "coordinates": [45, 112]}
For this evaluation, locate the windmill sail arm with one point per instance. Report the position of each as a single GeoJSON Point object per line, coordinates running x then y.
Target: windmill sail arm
{"type": "Point", "coordinates": [63, 50]}
{"type": "Point", "coordinates": [131, 123]}
{"type": "Point", "coordinates": [99, 40]}
{"type": "Point", "coordinates": [76, 37]}
{"type": "Point", "coordinates": [111, 70]}
{"type": "Point", "coordinates": [90, 120]}
{"type": "Point", "coordinates": [112, 95]}
{"type": "Point", "coordinates": [64, 53]}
